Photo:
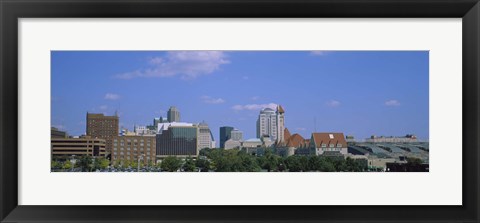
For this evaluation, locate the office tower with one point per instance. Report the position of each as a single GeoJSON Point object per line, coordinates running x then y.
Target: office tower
{"type": "Point", "coordinates": [225, 134]}
{"type": "Point", "coordinates": [205, 137]}
{"type": "Point", "coordinates": [103, 127]}
{"type": "Point", "coordinates": [272, 124]}
{"type": "Point", "coordinates": [173, 115]}
{"type": "Point", "coordinates": [134, 148]}
{"type": "Point", "coordinates": [177, 141]}
{"type": "Point", "coordinates": [66, 148]}
{"type": "Point", "coordinates": [236, 135]}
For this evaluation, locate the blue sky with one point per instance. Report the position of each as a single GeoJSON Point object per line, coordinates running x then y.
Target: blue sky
{"type": "Point", "coordinates": [359, 93]}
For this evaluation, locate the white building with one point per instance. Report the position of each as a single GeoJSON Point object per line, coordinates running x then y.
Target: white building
{"type": "Point", "coordinates": [165, 126]}
{"type": "Point", "coordinates": [232, 144]}
{"type": "Point", "coordinates": [272, 124]}
{"type": "Point", "coordinates": [236, 135]}
{"type": "Point", "coordinates": [141, 130]}
{"type": "Point", "coordinates": [205, 136]}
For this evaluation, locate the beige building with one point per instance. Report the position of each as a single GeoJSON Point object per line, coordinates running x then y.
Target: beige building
{"type": "Point", "coordinates": [65, 148]}
{"type": "Point", "coordinates": [103, 127]}
{"type": "Point", "coordinates": [131, 148]}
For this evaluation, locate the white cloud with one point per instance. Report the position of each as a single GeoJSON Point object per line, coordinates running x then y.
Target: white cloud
{"type": "Point", "coordinates": [255, 98]}
{"type": "Point", "coordinates": [210, 100]}
{"type": "Point", "coordinates": [103, 107]}
{"type": "Point", "coordinates": [253, 107]}
{"type": "Point", "coordinates": [392, 103]}
{"type": "Point", "coordinates": [186, 64]}
{"type": "Point", "coordinates": [300, 129]}
{"type": "Point", "coordinates": [333, 103]}
{"type": "Point", "coordinates": [111, 96]}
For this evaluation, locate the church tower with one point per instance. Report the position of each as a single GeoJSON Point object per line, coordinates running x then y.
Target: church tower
{"type": "Point", "coordinates": [280, 124]}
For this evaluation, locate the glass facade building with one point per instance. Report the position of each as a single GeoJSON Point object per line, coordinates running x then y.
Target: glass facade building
{"type": "Point", "coordinates": [178, 141]}
{"type": "Point", "coordinates": [225, 134]}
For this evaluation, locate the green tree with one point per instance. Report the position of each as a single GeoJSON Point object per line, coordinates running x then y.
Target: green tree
{"type": "Point", "coordinates": [102, 163]}
{"type": "Point", "coordinates": [414, 161]}
{"type": "Point", "coordinates": [85, 163]}
{"type": "Point", "coordinates": [189, 165]}
{"type": "Point", "coordinates": [270, 161]}
{"type": "Point", "coordinates": [67, 165]}
{"type": "Point", "coordinates": [203, 164]}
{"type": "Point", "coordinates": [171, 164]}
{"type": "Point", "coordinates": [56, 165]}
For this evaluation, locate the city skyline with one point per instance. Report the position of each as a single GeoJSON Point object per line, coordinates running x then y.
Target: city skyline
{"type": "Point", "coordinates": [359, 93]}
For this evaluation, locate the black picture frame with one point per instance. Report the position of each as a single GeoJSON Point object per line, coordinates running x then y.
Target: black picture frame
{"type": "Point", "coordinates": [12, 10]}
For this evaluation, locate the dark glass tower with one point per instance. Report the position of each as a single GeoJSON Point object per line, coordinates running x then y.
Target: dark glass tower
{"type": "Point", "coordinates": [225, 134]}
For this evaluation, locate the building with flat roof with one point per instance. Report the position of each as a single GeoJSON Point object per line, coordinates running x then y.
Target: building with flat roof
{"type": "Point", "coordinates": [409, 138]}
{"type": "Point", "coordinates": [180, 141]}
{"type": "Point", "coordinates": [236, 135]}
{"type": "Point", "coordinates": [65, 148]}
{"type": "Point", "coordinates": [225, 134]}
{"type": "Point", "coordinates": [56, 133]}
{"type": "Point", "coordinates": [131, 148]}
{"type": "Point", "coordinates": [103, 127]}
{"type": "Point", "coordinates": [141, 130]}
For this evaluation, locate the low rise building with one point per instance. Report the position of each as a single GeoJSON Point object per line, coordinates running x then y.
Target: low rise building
{"type": "Point", "coordinates": [56, 133]}
{"type": "Point", "coordinates": [323, 142]}
{"type": "Point", "coordinates": [179, 141]}
{"type": "Point", "coordinates": [134, 148]}
{"type": "Point", "coordinates": [65, 148]}
{"type": "Point", "coordinates": [409, 138]}
{"type": "Point", "coordinates": [232, 144]}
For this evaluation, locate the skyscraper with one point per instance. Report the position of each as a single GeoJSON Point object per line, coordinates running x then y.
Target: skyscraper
{"type": "Point", "coordinates": [272, 124]}
{"type": "Point", "coordinates": [225, 134]}
{"type": "Point", "coordinates": [103, 127]}
{"type": "Point", "coordinates": [205, 137]}
{"type": "Point", "coordinates": [173, 115]}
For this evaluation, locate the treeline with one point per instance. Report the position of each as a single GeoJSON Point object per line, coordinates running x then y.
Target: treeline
{"type": "Point", "coordinates": [83, 163]}
{"type": "Point", "coordinates": [234, 160]}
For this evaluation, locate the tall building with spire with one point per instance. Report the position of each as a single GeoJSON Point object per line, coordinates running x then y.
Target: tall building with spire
{"type": "Point", "coordinates": [173, 115]}
{"type": "Point", "coordinates": [272, 124]}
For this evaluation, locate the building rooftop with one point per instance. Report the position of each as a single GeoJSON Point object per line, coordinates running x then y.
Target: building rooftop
{"type": "Point", "coordinates": [328, 138]}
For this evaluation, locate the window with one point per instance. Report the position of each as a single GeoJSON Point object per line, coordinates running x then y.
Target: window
{"type": "Point", "coordinates": [339, 145]}
{"type": "Point", "coordinates": [332, 145]}
{"type": "Point", "coordinates": [324, 145]}
{"type": "Point", "coordinates": [331, 136]}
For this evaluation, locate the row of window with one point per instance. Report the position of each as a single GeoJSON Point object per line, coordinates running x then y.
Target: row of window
{"type": "Point", "coordinates": [332, 145]}
{"type": "Point", "coordinates": [128, 158]}
{"type": "Point", "coordinates": [128, 153]}
{"type": "Point", "coordinates": [134, 149]}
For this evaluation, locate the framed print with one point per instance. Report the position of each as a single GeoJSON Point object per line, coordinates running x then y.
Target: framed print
{"type": "Point", "coordinates": [203, 111]}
